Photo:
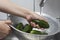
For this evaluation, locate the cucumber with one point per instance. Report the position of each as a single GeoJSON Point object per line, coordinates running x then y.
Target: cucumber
{"type": "Point", "coordinates": [35, 32]}
{"type": "Point", "coordinates": [27, 28]}
{"type": "Point", "coordinates": [38, 32]}
{"type": "Point", "coordinates": [19, 26]}
{"type": "Point", "coordinates": [41, 23]}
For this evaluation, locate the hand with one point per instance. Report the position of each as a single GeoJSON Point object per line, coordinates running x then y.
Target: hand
{"type": "Point", "coordinates": [4, 28]}
{"type": "Point", "coordinates": [34, 16]}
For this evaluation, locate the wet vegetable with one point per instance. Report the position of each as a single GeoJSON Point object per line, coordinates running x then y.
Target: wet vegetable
{"type": "Point", "coordinates": [38, 32]}
{"type": "Point", "coordinates": [41, 23]}
{"type": "Point", "coordinates": [27, 28]}
{"type": "Point", "coordinates": [19, 26]}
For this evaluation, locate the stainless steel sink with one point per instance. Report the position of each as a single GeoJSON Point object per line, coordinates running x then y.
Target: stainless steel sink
{"type": "Point", "coordinates": [12, 36]}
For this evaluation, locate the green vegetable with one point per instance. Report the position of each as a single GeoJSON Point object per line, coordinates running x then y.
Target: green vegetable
{"type": "Point", "coordinates": [35, 32]}
{"type": "Point", "coordinates": [41, 23]}
{"type": "Point", "coordinates": [27, 28]}
{"type": "Point", "coordinates": [38, 32]}
{"type": "Point", "coordinates": [19, 26]}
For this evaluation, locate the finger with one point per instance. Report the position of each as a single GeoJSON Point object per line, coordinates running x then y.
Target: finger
{"type": "Point", "coordinates": [33, 24]}
{"type": "Point", "coordinates": [8, 22]}
{"type": "Point", "coordinates": [42, 18]}
{"type": "Point", "coordinates": [37, 26]}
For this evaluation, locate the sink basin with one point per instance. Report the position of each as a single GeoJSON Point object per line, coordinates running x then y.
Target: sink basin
{"type": "Point", "coordinates": [51, 31]}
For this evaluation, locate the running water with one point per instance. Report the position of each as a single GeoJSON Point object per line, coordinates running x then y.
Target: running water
{"type": "Point", "coordinates": [41, 5]}
{"type": "Point", "coordinates": [41, 9]}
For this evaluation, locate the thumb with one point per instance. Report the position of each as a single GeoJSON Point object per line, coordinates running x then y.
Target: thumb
{"type": "Point", "coordinates": [8, 22]}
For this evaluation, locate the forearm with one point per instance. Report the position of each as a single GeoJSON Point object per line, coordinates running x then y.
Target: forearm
{"type": "Point", "coordinates": [14, 9]}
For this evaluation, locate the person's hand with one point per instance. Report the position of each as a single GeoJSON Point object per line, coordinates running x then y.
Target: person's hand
{"type": "Point", "coordinates": [4, 28]}
{"type": "Point", "coordinates": [34, 16]}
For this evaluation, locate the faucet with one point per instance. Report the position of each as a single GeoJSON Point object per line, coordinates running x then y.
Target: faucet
{"type": "Point", "coordinates": [42, 5]}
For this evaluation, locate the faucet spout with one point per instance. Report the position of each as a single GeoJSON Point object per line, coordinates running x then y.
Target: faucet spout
{"type": "Point", "coordinates": [42, 3]}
